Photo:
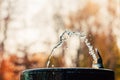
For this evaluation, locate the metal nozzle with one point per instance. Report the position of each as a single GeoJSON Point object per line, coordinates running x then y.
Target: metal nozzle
{"type": "Point", "coordinates": [99, 63]}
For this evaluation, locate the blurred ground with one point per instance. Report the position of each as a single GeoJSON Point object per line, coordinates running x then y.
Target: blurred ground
{"type": "Point", "coordinates": [29, 29]}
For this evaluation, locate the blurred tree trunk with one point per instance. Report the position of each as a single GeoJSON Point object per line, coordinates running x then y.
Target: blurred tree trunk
{"type": "Point", "coordinates": [3, 30]}
{"type": "Point", "coordinates": [4, 24]}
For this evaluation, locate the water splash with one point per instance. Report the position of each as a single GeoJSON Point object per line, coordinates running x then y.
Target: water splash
{"type": "Point", "coordinates": [67, 34]}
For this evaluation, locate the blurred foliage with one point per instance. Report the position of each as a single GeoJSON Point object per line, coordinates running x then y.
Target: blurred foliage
{"type": "Point", "coordinates": [105, 41]}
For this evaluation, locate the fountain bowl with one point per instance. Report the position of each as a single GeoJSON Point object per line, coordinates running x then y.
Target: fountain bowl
{"type": "Point", "coordinates": [67, 74]}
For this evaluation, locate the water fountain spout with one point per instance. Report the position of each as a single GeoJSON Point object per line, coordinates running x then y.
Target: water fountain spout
{"type": "Point", "coordinates": [99, 63]}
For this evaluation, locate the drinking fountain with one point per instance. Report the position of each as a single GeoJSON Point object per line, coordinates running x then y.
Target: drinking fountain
{"type": "Point", "coordinates": [97, 72]}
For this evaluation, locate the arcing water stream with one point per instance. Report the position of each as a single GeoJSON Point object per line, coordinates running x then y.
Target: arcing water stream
{"type": "Point", "coordinates": [67, 34]}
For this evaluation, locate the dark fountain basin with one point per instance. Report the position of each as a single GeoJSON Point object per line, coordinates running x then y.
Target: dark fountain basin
{"type": "Point", "coordinates": [67, 74]}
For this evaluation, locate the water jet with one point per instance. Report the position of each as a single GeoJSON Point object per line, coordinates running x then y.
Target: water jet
{"type": "Point", "coordinates": [97, 72]}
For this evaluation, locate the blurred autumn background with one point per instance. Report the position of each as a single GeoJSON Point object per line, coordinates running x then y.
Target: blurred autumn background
{"type": "Point", "coordinates": [29, 29]}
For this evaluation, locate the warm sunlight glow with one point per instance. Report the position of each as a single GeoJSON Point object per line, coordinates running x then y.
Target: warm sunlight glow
{"type": "Point", "coordinates": [32, 35]}
{"type": "Point", "coordinates": [34, 27]}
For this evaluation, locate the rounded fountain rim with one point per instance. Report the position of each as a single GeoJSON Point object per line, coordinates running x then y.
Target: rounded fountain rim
{"type": "Point", "coordinates": [67, 69]}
